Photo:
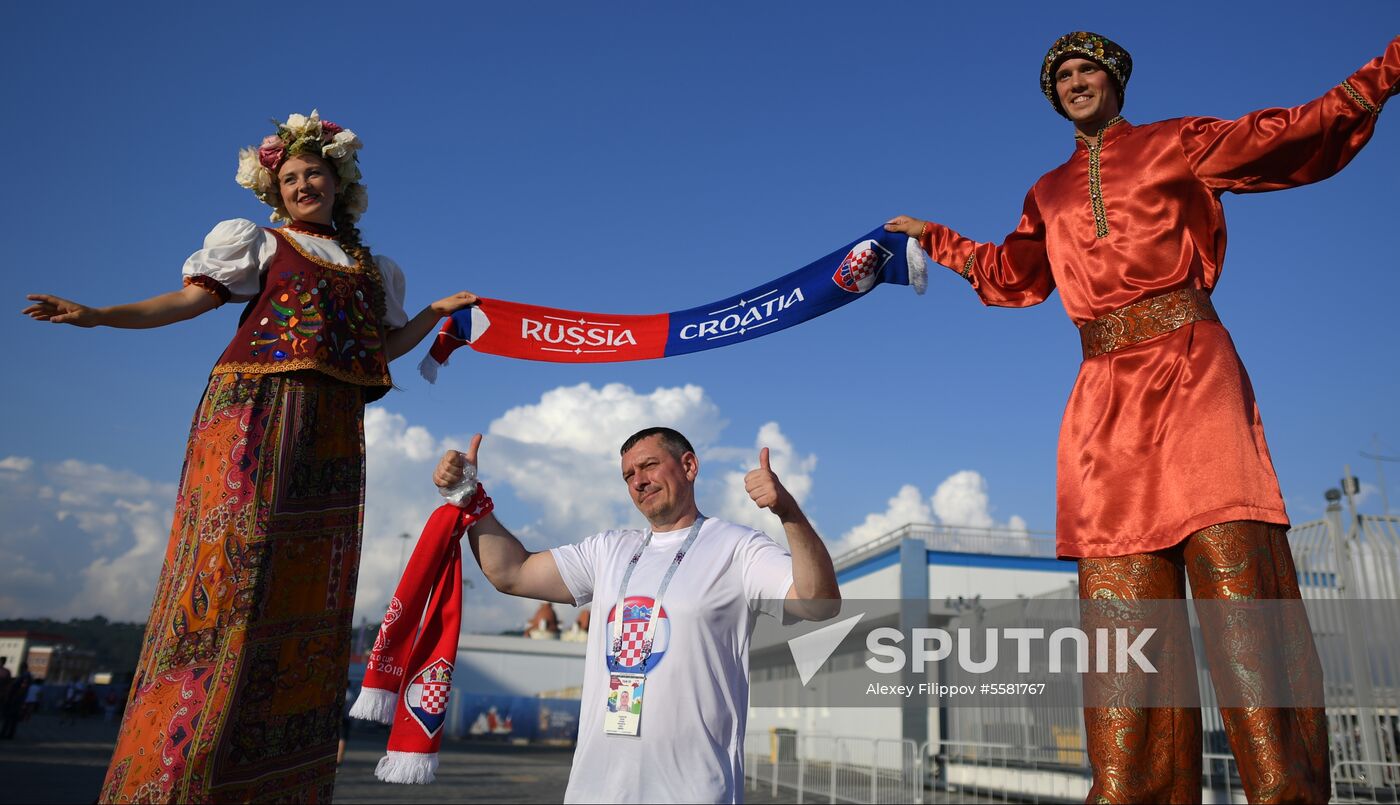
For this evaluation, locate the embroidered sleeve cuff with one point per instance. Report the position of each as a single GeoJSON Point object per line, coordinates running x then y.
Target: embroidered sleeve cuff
{"type": "Point", "coordinates": [210, 285]}
{"type": "Point", "coordinates": [966, 271]}
{"type": "Point", "coordinates": [1355, 94]}
{"type": "Point", "coordinates": [1370, 86]}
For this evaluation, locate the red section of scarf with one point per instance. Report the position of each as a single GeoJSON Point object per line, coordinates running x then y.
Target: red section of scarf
{"type": "Point", "coordinates": [417, 664]}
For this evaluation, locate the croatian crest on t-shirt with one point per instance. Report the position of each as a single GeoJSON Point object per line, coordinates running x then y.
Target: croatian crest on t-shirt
{"type": "Point", "coordinates": [426, 695]}
{"type": "Point", "coordinates": [626, 655]}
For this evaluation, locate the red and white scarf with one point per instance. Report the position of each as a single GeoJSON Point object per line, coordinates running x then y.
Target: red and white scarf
{"type": "Point", "coordinates": [413, 667]}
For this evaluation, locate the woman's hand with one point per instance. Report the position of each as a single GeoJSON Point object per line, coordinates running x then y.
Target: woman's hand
{"type": "Point", "coordinates": [448, 305]}
{"type": "Point", "coordinates": [407, 337]}
{"type": "Point", "coordinates": [61, 311]}
{"type": "Point", "coordinates": [913, 227]}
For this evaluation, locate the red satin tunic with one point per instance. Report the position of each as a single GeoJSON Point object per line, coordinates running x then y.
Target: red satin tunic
{"type": "Point", "coordinates": [1162, 438]}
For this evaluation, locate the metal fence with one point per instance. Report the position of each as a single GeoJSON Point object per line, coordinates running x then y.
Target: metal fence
{"type": "Point", "coordinates": [1359, 644]}
{"type": "Point", "coordinates": [825, 768]}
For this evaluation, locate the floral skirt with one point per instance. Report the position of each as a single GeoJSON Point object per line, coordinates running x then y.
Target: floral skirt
{"type": "Point", "coordinates": [240, 689]}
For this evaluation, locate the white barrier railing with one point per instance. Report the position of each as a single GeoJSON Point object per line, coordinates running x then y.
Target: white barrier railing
{"type": "Point", "coordinates": [1359, 781]}
{"type": "Point", "coordinates": [833, 769]}
{"type": "Point", "coordinates": [825, 768]}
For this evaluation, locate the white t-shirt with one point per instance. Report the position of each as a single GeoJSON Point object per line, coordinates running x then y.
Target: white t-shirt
{"type": "Point", "coordinates": [691, 746]}
{"type": "Point", "coordinates": [237, 251]}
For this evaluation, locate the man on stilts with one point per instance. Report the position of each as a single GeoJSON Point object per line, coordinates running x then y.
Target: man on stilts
{"type": "Point", "coordinates": [1163, 471]}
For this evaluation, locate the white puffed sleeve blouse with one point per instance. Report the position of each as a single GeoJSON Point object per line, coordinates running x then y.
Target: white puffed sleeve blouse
{"type": "Point", "coordinates": [236, 253]}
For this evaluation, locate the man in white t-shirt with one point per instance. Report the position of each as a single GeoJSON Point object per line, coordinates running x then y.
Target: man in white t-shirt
{"type": "Point", "coordinates": [666, 686]}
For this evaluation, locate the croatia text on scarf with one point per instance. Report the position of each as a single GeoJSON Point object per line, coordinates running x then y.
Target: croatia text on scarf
{"type": "Point", "coordinates": [516, 330]}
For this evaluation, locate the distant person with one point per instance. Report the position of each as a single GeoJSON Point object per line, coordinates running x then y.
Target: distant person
{"type": "Point", "coordinates": [679, 602]}
{"type": "Point", "coordinates": [5, 678]}
{"type": "Point", "coordinates": [68, 708]}
{"type": "Point", "coordinates": [250, 627]}
{"type": "Point", "coordinates": [33, 698]}
{"type": "Point", "coordinates": [1163, 471]}
{"type": "Point", "coordinates": [110, 703]}
{"type": "Point", "coordinates": [12, 705]}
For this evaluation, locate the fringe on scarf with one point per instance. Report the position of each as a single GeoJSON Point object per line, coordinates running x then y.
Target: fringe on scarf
{"type": "Point", "coordinates": [374, 704]}
{"type": "Point", "coordinates": [429, 366]}
{"type": "Point", "coordinates": [410, 768]}
{"type": "Point", "coordinates": [918, 269]}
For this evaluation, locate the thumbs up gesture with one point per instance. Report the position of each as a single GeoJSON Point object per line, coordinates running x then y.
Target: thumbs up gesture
{"type": "Point", "coordinates": [766, 490]}
{"type": "Point", "coordinates": [457, 468]}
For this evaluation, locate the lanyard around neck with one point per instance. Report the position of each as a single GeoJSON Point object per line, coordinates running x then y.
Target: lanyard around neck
{"type": "Point", "coordinates": [661, 591]}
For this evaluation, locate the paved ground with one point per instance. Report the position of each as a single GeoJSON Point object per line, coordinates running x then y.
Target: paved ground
{"type": "Point", "coordinates": [50, 762]}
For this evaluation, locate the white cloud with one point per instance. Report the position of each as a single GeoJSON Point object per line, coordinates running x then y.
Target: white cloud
{"type": "Point", "coordinates": [16, 463]}
{"type": "Point", "coordinates": [121, 587]}
{"type": "Point", "coordinates": [596, 421]}
{"type": "Point", "coordinates": [81, 539]}
{"type": "Point", "coordinates": [961, 503]}
{"type": "Point", "coordinates": [962, 500]}
{"type": "Point", "coordinates": [907, 506]}
{"type": "Point", "coordinates": [399, 496]}
{"type": "Point", "coordinates": [794, 471]}
{"type": "Point", "coordinates": [561, 454]}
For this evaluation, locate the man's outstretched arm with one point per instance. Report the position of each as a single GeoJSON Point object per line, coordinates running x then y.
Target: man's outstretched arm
{"type": "Point", "coordinates": [507, 564]}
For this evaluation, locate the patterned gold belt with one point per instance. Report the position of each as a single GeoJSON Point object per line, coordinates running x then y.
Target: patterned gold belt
{"type": "Point", "coordinates": [1144, 319]}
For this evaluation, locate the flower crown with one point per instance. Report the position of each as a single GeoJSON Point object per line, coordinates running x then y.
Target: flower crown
{"type": "Point", "coordinates": [257, 167]}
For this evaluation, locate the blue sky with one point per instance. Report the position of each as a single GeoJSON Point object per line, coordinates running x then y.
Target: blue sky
{"type": "Point", "coordinates": [638, 158]}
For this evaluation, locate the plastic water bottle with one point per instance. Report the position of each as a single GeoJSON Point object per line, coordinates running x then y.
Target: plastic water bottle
{"type": "Point", "coordinates": [459, 493]}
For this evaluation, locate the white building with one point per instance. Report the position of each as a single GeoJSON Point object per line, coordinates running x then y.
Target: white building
{"type": "Point", "coordinates": [955, 570]}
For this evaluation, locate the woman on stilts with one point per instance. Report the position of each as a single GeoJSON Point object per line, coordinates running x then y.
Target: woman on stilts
{"type": "Point", "coordinates": [239, 691]}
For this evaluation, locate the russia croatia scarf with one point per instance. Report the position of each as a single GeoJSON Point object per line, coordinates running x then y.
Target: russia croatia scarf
{"type": "Point", "coordinates": [532, 332]}
{"type": "Point", "coordinates": [409, 673]}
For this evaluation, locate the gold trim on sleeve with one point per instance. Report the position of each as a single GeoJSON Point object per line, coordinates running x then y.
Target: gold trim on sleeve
{"type": "Point", "coordinates": [209, 285]}
{"type": "Point", "coordinates": [966, 270]}
{"type": "Point", "coordinates": [1359, 98]}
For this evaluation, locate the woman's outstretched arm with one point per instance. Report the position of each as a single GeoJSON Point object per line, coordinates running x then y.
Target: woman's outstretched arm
{"type": "Point", "coordinates": [157, 311]}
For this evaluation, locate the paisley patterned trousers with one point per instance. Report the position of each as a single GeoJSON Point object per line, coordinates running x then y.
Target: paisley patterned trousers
{"type": "Point", "coordinates": [1153, 754]}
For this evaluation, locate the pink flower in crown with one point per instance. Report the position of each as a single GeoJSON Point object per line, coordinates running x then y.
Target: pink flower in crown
{"type": "Point", "coordinates": [271, 151]}
{"type": "Point", "coordinates": [329, 130]}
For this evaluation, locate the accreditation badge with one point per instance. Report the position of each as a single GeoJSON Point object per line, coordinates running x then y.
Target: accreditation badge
{"type": "Point", "coordinates": [624, 716]}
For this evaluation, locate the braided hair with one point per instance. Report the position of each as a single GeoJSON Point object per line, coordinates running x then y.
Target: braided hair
{"type": "Point", "coordinates": [348, 236]}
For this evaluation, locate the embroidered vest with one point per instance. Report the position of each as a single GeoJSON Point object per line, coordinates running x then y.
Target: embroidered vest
{"type": "Point", "coordinates": [313, 314]}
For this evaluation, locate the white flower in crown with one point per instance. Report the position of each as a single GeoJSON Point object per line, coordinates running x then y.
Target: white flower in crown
{"type": "Point", "coordinates": [251, 174]}
{"type": "Point", "coordinates": [349, 139]}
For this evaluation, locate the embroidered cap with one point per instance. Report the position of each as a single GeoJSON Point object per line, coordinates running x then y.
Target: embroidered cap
{"type": "Point", "coordinates": [1085, 45]}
